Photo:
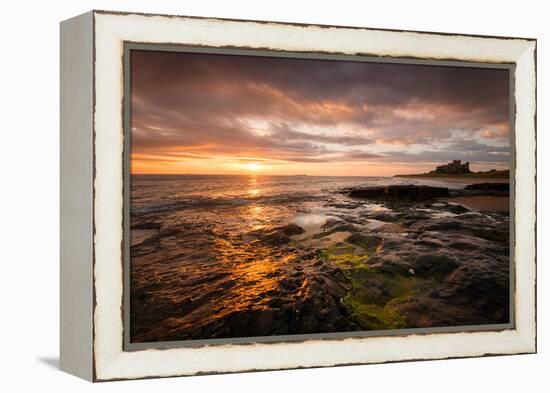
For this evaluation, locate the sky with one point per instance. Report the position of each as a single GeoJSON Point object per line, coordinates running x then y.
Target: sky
{"type": "Point", "coordinates": [228, 114]}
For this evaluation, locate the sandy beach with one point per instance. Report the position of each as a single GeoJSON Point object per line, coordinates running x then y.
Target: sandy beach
{"type": "Point", "coordinates": [483, 203]}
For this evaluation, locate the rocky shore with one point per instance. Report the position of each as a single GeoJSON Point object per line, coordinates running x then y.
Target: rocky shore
{"type": "Point", "coordinates": [436, 263]}
{"type": "Point", "coordinates": [419, 193]}
{"type": "Point", "coordinates": [385, 257]}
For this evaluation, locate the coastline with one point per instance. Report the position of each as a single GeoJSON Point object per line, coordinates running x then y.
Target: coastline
{"type": "Point", "coordinates": [294, 255]}
{"type": "Point", "coordinates": [458, 179]}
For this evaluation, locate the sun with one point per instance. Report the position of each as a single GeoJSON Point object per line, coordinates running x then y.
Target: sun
{"type": "Point", "coordinates": [253, 166]}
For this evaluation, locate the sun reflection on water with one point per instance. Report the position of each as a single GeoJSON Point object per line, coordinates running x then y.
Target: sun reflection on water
{"type": "Point", "coordinates": [253, 272]}
{"type": "Point", "coordinates": [253, 189]}
{"type": "Point", "coordinates": [256, 214]}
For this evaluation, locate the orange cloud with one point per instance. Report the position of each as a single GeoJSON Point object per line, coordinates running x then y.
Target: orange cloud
{"type": "Point", "coordinates": [494, 133]}
{"type": "Point", "coordinates": [197, 113]}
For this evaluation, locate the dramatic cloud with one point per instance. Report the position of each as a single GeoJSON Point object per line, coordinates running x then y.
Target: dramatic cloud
{"type": "Point", "coordinates": [192, 112]}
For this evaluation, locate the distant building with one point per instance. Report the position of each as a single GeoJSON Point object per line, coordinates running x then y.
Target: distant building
{"type": "Point", "coordinates": [453, 168]}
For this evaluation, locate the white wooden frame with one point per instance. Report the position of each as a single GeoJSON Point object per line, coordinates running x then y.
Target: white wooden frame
{"type": "Point", "coordinates": [92, 195]}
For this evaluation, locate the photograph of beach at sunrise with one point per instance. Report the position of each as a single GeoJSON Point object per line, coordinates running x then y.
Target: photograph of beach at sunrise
{"type": "Point", "coordinates": [274, 196]}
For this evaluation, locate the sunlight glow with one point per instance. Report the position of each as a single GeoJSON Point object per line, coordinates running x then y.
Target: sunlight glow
{"type": "Point", "coordinates": [253, 166]}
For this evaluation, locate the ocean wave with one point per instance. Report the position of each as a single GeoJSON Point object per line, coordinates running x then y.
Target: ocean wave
{"type": "Point", "coordinates": [197, 203]}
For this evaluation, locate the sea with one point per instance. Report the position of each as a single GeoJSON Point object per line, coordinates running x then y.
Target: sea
{"type": "Point", "coordinates": [200, 267]}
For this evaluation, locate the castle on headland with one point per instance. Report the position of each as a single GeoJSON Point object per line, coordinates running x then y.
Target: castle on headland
{"type": "Point", "coordinates": [454, 167]}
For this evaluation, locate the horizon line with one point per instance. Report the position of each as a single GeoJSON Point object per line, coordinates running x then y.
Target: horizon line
{"type": "Point", "coordinates": [251, 174]}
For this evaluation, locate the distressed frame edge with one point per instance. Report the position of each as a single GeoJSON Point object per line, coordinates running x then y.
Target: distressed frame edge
{"type": "Point", "coordinates": [303, 24]}
{"type": "Point", "coordinates": [528, 339]}
{"type": "Point", "coordinates": [526, 132]}
{"type": "Point", "coordinates": [76, 196]}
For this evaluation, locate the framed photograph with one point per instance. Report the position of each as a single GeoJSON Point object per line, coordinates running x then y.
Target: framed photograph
{"type": "Point", "coordinates": [245, 195]}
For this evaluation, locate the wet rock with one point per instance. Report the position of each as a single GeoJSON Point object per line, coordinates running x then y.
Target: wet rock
{"type": "Point", "coordinates": [292, 229]}
{"type": "Point", "coordinates": [456, 208]}
{"type": "Point", "coordinates": [434, 265]}
{"type": "Point", "coordinates": [368, 242]}
{"type": "Point", "coordinates": [281, 235]}
{"type": "Point", "coordinates": [369, 193]}
{"type": "Point", "coordinates": [350, 206]}
{"type": "Point", "coordinates": [446, 224]}
{"type": "Point", "coordinates": [335, 288]}
{"type": "Point", "coordinates": [168, 231]}
{"type": "Point", "coordinates": [323, 312]}
{"type": "Point", "coordinates": [483, 189]}
{"type": "Point", "coordinates": [430, 241]}
{"type": "Point", "coordinates": [393, 243]}
{"type": "Point", "coordinates": [331, 222]}
{"type": "Point", "coordinates": [472, 294]}
{"type": "Point", "coordinates": [289, 284]}
{"type": "Point", "coordinates": [498, 235]}
{"type": "Point", "coordinates": [264, 322]}
{"type": "Point", "coordinates": [332, 226]}
{"type": "Point", "coordinates": [344, 228]}
{"type": "Point", "coordinates": [414, 215]}
{"type": "Point", "coordinates": [496, 187]}
{"type": "Point", "coordinates": [146, 225]}
{"type": "Point", "coordinates": [400, 193]}
{"type": "Point", "coordinates": [489, 227]}
{"type": "Point", "coordinates": [385, 217]}
{"type": "Point", "coordinates": [390, 265]}
{"type": "Point", "coordinates": [390, 228]}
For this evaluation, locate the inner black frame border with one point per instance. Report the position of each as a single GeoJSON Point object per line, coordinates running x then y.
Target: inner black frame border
{"type": "Point", "coordinates": [296, 338]}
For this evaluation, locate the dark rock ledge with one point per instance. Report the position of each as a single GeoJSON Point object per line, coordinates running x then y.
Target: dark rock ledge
{"type": "Point", "coordinates": [414, 193]}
